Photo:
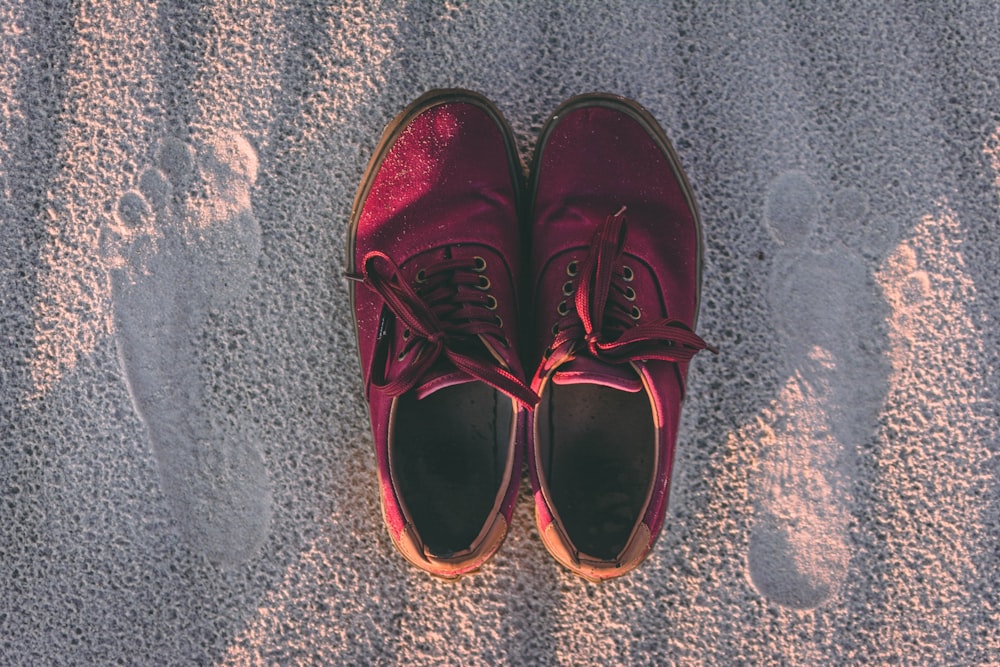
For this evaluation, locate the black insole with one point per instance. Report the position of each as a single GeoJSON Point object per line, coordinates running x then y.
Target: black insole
{"type": "Point", "coordinates": [448, 457]}
{"type": "Point", "coordinates": [597, 446]}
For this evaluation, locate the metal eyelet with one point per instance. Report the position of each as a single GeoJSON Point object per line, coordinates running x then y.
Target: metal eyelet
{"type": "Point", "coordinates": [421, 276]}
{"type": "Point", "coordinates": [406, 334]}
{"type": "Point", "coordinates": [401, 356]}
{"type": "Point", "coordinates": [635, 313]}
{"type": "Point", "coordinates": [491, 302]}
{"type": "Point", "coordinates": [630, 294]}
{"type": "Point", "coordinates": [484, 283]}
{"type": "Point", "coordinates": [555, 329]}
{"type": "Point", "coordinates": [568, 288]}
{"type": "Point", "coordinates": [480, 264]}
{"type": "Point", "coordinates": [572, 268]}
{"type": "Point", "coordinates": [563, 308]}
{"type": "Point", "coordinates": [627, 274]}
{"type": "Point", "coordinates": [498, 320]}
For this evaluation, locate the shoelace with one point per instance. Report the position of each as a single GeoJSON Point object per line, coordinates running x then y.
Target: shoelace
{"type": "Point", "coordinates": [446, 317]}
{"type": "Point", "coordinates": [604, 322]}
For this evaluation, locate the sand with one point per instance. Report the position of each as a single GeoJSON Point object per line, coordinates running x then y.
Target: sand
{"type": "Point", "coordinates": [187, 473]}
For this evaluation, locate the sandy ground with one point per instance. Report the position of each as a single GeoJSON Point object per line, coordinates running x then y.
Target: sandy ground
{"type": "Point", "coordinates": [187, 473]}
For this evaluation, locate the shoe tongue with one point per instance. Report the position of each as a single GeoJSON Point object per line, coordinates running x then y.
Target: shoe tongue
{"type": "Point", "coordinates": [441, 378]}
{"type": "Point", "coordinates": [587, 370]}
{"type": "Point", "coordinates": [443, 374]}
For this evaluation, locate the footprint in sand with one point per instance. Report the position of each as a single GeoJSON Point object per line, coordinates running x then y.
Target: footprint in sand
{"type": "Point", "coordinates": [184, 244]}
{"type": "Point", "coordinates": [825, 309]}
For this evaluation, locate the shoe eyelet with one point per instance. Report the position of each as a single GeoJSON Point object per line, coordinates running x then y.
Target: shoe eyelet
{"type": "Point", "coordinates": [421, 276]}
{"type": "Point", "coordinates": [630, 294]}
{"type": "Point", "coordinates": [491, 302]}
{"type": "Point", "coordinates": [406, 334]}
{"type": "Point", "coordinates": [480, 264]}
{"type": "Point", "coordinates": [498, 320]}
{"type": "Point", "coordinates": [401, 355]}
{"type": "Point", "coordinates": [484, 283]}
{"type": "Point", "coordinates": [563, 308]}
{"type": "Point", "coordinates": [568, 288]}
{"type": "Point", "coordinates": [572, 268]}
{"type": "Point", "coordinates": [555, 329]}
{"type": "Point", "coordinates": [635, 313]}
{"type": "Point", "coordinates": [628, 275]}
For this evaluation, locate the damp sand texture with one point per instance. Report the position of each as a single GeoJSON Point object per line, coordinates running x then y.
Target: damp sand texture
{"type": "Point", "coordinates": [188, 475]}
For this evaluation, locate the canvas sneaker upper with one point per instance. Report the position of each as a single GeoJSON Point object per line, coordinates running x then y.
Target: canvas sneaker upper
{"type": "Point", "coordinates": [434, 257]}
{"type": "Point", "coordinates": [615, 269]}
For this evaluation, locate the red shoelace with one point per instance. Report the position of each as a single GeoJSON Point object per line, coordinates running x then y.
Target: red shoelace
{"type": "Point", "coordinates": [605, 320]}
{"type": "Point", "coordinates": [445, 316]}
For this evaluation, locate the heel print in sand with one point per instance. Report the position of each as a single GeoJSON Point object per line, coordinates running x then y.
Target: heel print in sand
{"type": "Point", "coordinates": [822, 306]}
{"type": "Point", "coordinates": [184, 244]}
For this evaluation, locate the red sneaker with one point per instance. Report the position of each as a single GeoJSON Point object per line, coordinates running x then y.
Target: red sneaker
{"type": "Point", "coordinates": [434, 242]}
{"type": "Point", "coordinates": [616, 272]}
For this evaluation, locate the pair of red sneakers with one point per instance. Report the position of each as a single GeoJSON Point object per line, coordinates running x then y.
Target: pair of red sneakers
{"type": "Point", "coordinates": [459, 282]}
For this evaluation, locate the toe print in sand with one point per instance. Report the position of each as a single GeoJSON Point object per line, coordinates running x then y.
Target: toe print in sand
{"type": "Point", "coordinates": [823, 307]}
{"type": "Point", "coordinates": [183, 246]}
